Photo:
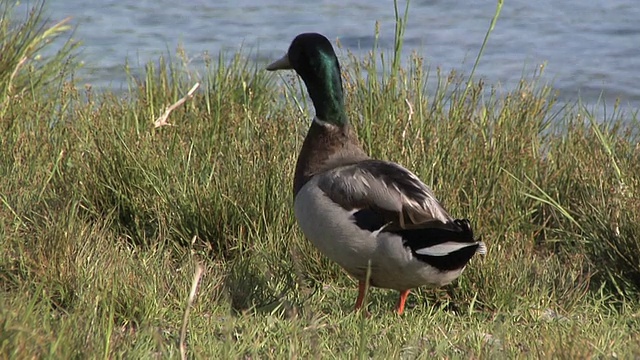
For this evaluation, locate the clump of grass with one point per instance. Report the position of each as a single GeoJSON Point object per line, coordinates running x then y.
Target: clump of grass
{"type": "Point", "coordinates": [104, 219]}
{"type": "Point", "coordinates": [26, 65]}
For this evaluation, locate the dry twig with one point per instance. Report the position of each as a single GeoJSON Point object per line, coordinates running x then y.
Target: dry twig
{"type": "Point", "coordinates": [162, 120]}
{"type": "Point", "coordinates": [185, 319]}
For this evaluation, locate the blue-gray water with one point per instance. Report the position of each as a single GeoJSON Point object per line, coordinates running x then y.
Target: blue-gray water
{"type": "Point", "coordinates": [591, 48]}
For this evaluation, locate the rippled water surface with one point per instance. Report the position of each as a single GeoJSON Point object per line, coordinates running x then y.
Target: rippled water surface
{"type": "Point", "coordinates": [590, 47]}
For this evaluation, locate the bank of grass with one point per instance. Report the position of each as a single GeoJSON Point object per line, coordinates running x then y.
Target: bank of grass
{"type": "Point", "coordinates": [103, 219]}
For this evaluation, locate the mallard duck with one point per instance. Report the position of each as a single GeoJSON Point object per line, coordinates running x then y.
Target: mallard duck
{"type": "Point", "coordinates": [367, 215]}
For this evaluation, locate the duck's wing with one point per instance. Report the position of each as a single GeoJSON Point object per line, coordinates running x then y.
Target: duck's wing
{"type": "Point", "coordinates": [384, 197]}
{"type": "Point", "coordinates": [387, 188]}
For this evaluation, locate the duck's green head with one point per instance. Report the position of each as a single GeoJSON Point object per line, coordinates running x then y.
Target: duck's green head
{"type": "Point", "coordinates": [312, 57]}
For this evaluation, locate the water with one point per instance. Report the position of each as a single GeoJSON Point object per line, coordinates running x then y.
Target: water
{"type": "Point", "coordinates": [591, 48]}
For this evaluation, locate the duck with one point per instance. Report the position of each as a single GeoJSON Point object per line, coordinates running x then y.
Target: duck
{"type": "Point", "coordinates": [374, 218]}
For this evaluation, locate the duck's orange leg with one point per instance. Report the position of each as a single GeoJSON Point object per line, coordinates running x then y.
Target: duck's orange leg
{"type": "Point", "coordinates": [362, 289]}
{"type": "Point", "coordinates": [401, 301]}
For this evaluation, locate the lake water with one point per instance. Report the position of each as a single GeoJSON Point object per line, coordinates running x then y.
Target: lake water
{"type": "Point", "coordinates": [591, 48]}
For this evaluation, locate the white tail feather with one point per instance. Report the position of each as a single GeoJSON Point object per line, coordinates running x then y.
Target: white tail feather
{"type": "Point", "coordinates": [482, 248]}
{"type": "Point", "coordinates": [449, 247]}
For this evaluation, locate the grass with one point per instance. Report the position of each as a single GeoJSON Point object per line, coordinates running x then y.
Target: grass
{"type": "Point", "coordinates": [104, 219]}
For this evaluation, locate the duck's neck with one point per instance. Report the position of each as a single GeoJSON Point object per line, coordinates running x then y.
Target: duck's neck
{"type": "Point", "coordinates": [326, 147]}
{"type": "Point", "coordinates": [324, 85]}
